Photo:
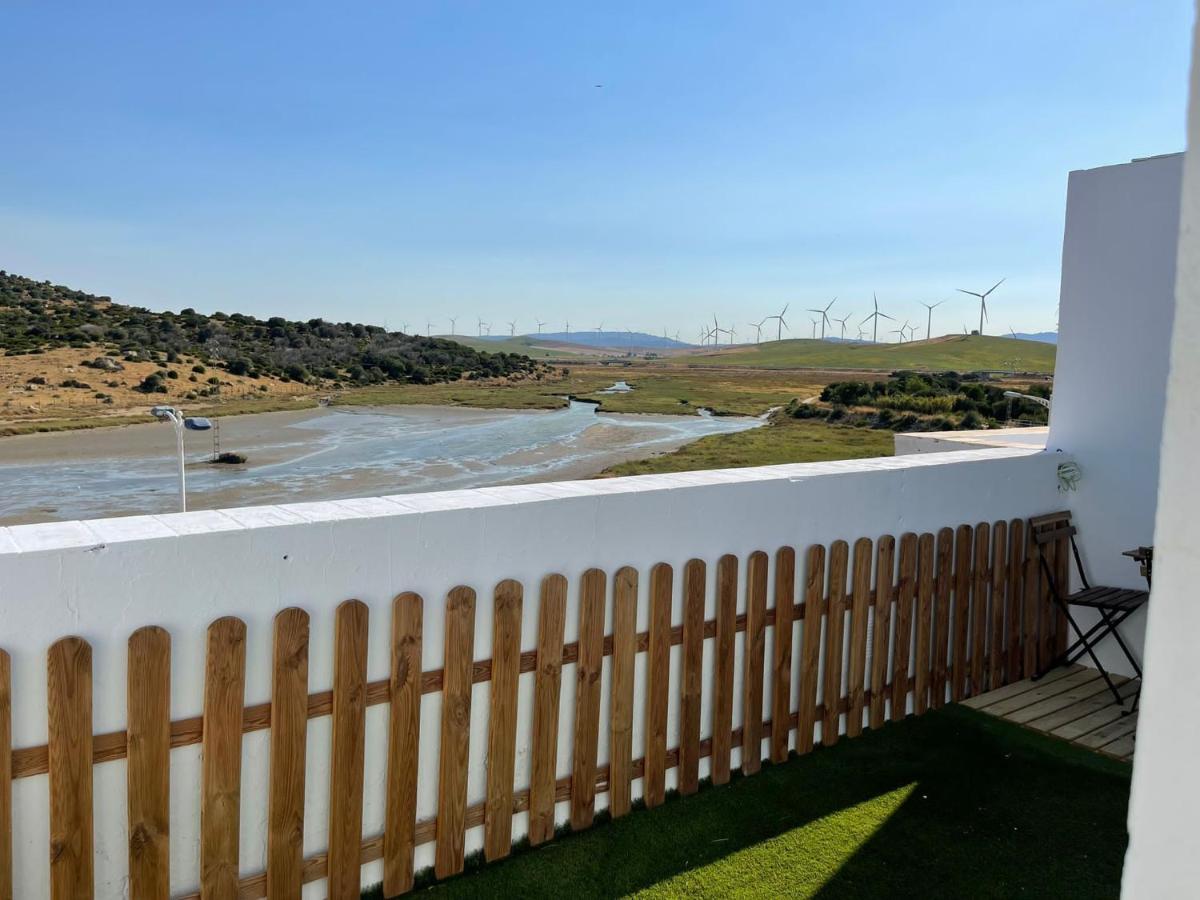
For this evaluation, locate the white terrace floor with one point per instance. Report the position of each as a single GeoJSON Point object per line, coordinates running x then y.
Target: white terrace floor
{"type": "Point", "coordinates": [1072, 703]}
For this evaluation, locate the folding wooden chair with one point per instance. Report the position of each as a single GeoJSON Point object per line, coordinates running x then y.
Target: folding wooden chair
{"type": "Point", "coordinates": [1114, 605]}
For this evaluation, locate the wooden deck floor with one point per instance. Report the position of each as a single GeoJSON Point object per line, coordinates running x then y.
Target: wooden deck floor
{"type": "Point", "coordinates": [1072, 703]}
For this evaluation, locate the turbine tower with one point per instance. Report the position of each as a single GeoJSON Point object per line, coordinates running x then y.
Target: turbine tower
{"type": "Point", "coordinates": [824, 313]}
{"type": "Point", "coordinates": [929, 318]}
{"type": "Point", "coordinates": [875, 317]}
{"type": "Point", "coordinates": [782, 322]}
{"type": "Point", "coordinates": [815, 322]}
{"type": "Point", "coordinates": [843, 322]}
{"type": "Point", "coordinates": [512, 329]}
{"type": "Point", "coordinates": [757, 326]}
{"type": "Point", "coordinates": [479, 325]}
{"type": "Point", "coordinates": [452, 321]}
{"type": "Point", "coordinates": [540, 323]}
{"type": "Point", "coordinates": [982, 301]}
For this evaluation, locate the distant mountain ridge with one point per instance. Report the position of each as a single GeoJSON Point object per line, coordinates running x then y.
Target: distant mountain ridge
{"type": "Point", "coordinates": [1045, 337]}
{"type": "Point", "coordinates": [607, 339]}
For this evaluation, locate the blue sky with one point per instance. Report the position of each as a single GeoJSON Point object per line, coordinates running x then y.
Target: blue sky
{"type": "Point", "coordinates": [396, 162]}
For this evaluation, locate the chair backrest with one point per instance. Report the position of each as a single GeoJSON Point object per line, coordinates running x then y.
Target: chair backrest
{"type": "Point", "coordinates": [1051, 527]}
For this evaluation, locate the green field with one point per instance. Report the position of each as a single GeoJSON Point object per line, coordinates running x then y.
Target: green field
{"type": "Point", "coordinates": [784, 440]}
{"type": "Point", "coordinates": [960, 353]}
{"type": "Point", "coordinates": [656, 390]}
{"type": "Point", "coordinates": [949, 804]}
{"type": "Point", "coordinates": [522, 344]}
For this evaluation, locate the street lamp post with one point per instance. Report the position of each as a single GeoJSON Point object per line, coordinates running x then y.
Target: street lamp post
{"type": "Point", "coordinates": [172, 415]}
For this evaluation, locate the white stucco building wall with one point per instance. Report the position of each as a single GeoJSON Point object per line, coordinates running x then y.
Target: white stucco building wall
{"type": "Point", "coordinates": [1116, 308]}
{"type": "Point", "coordinates": [1163, 859]}
{"type": "Point", "coordinates": [103, 579]}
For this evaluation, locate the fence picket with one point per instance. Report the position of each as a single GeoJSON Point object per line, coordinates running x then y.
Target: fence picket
{"type": "Point", "coordinates": [902, 648]}
{"type": "Point", "coordinates": [960, 672]}
{"type": "Point", "coordinates": [753, 659]}
{"type": "Point", "coordinates": [289, 739]}
{"type": "Point", "coordinates": [1014, 602]}
{"type": "Point", "coordinates": [587, 698]}
{"type": "Point", "coordinates": [658, 676]}
{"type": "Point", "coordinates": [860, 601]}
{"type": "Point", "coordinates": [781, 652]}
{"type": "Point", "coordinates": [835, 630]}
{"type": "Point", "coordinates": [881, 630]}
{"type": "Point", "coordinates": [69, 699]}
{"type": "Point", "coordinates": [348, 745]}
{"type": "Point", "coordinates": [941, 618]}
{"type": "Point", "coordinates": [997, 654]}
{"type": "Point", "coordinates": [722, 702]}
{"type": "Point", "coordinates": [546, 692]}
{"type": "Point", "coordinates": [620, 749]}
{"type": "Point", "coordinates": [502, 719]}
{"type": "Point", "coordinates": [148, 773]}
{"type": "Point", "coordinates": [922, 665]}
{"type": "Point", "coordinates": [810, 647]}
{"type": "Point", "coordinates": [6, 880]}
{"type": "Point", "coordinates": [694, 576]}
{"type": "Point", "coordinates": [457, 658]}
{"type": "Point", "coordinates": [404, 730]}
{"type": "Point", "coordinates": [221, 758]}
{"type": "Point", "coordinates": [979, 608]}
{"type": "Point", "coordinates": [1033, 613]}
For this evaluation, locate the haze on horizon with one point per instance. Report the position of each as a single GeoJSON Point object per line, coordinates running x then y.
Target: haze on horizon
{"type": "Point", "coordinates": [648, 166]}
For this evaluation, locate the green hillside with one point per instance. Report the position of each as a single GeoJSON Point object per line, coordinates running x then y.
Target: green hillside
{"type": "Point", "coordinates": [963, 353]}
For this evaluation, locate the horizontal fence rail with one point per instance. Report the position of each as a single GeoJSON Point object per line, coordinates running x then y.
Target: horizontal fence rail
{"type": "Point", "coordinates": [887, 628]}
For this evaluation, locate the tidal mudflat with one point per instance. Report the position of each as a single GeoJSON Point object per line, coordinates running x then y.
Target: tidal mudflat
{"type": "Point", "coordinates": [326, 454]}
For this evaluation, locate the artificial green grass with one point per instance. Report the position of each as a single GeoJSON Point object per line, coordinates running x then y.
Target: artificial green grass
{"type": "Point", "coordinates": [951, 804]}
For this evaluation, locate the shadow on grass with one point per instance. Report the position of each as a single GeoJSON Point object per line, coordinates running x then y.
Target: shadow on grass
{"type": "Point", "coordinates": [953, 804]}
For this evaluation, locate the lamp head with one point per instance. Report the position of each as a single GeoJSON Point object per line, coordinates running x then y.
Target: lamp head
{"type": "Point", "coordinates": [164, 413]}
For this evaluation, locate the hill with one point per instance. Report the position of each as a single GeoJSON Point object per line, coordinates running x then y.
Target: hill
{"type": "Point", "coordinates": [1046, 337]}
{"type": "Point", "coordinates": [962, 353]}
{"type": "Point", "coordinates": [36, 317]}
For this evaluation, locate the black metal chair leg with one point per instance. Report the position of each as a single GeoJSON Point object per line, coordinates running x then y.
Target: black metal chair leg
{"type": "Point", "coordinates": [1092, 653]}
{"type": "Point", "coordinates": [1124, 646]}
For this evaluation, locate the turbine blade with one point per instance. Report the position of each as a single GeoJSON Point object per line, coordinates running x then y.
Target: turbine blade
{"type": "Point", "coordinates": [993, 287]}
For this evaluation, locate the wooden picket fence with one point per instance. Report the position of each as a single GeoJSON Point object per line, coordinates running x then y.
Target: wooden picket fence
{"type": "Point", "coordinates": [963, 611]}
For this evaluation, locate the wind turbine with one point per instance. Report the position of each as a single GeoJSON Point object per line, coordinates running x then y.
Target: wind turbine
{"type": "Point", "coordinates": [540, 323]}
{"type": "Point", "coordinates": [929, 318]}
{"type": "Point", "coordinates": [900, 331]}
{"type": "Point", "coordinates": [911, 330]}
{"type": "Point", "coordinates": [861, 333]}
{"type": "Point", "coordinates": [843, 322]}
{"type": "Point", "coordinates": [824, 312]}
{"type": "Point", "coordinates": [479, 325]}
{"type": "Point", "coordinates": [731, 330]}
{"type": "Point", "coordinates": [568, 324]}
{"type": "Point", "coordinates": [404, 327]}
{"type": "Point", "coordinates": [452, 321]}
{"type": "Point", "coordinates": [599, 330]}
{"type": "Point", "coordinates": [876, 316]}
{"type": "Point", "coordinates": [428, 329]}
{"type": "Point", "coordinates": [782, 322]}
{"type": "Point", "coordinates": [815, 322]}
{"type": "Point", "coordinates": [982, 301]}
{"type": "Point", "coordinates": [757, 326]}
{"type": "Point", "coordinates": [512, 329]}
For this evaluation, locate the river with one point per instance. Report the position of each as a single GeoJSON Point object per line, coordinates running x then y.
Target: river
{"type": "Point", "coordinates": [327, 454]}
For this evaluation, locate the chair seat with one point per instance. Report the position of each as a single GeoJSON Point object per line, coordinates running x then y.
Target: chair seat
{"type": "Point", "coordinates": [1109, 598]}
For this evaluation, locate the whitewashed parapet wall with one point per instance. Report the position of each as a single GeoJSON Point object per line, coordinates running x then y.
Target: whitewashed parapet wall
{"type": "Point", "coordinates": [102, 579]}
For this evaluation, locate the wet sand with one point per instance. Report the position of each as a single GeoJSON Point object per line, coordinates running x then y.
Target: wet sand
{"type": "Point", "coordinates": [327, 453]}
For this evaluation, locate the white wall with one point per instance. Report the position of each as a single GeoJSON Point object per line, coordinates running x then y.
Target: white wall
{"type": "Point", "coordinates": [102, 579]}
{"type": "Point", "coordinates": [1162, 859]}
{"type": "Point", "coordinates": [1115, 314]}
